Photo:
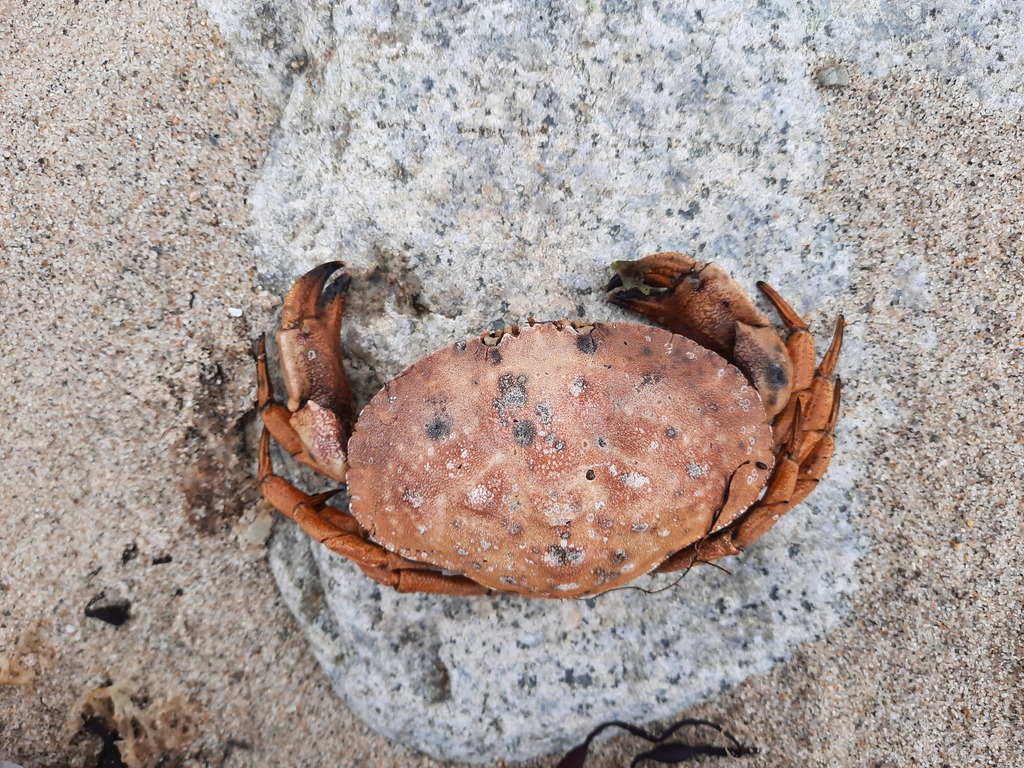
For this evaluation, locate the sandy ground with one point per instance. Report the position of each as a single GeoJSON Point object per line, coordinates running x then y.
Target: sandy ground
{"type": "Point", "coordinates": [128, 142]}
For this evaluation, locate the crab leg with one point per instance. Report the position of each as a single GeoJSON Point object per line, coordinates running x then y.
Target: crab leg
{"type": "Point", "coordinates": [341, 534]}
{"type": "Point", "coordinates": [811, 388]}
{"type": "Point", "coordinates": [798, 470]}
{"type": "Point", "coordinates": [814, 464]}
{"type": "Point", "coordinates": [325, 524]}
{"type": "Point", "coordinates": [419, 580]}
{"type": "Point", "coordinates": [821, 402]}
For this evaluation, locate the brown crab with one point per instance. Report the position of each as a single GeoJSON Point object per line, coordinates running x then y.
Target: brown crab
{"type": "Point", "coordinates": [558, 459]}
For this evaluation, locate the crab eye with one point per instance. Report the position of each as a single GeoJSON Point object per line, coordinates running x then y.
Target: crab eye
{"type": "Point", "coordinates": [591, 474]}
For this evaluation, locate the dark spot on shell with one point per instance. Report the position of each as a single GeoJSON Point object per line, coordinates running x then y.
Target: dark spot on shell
{"type": "Point", "coordinates": [639, 527]}
{"type": "Point", "coordinates": [602, 443]}
{"type": "Point", "coordinates": [647, 352]}
{"type": "Point", "coordinates": [494, 356]}
{"type": "Point", "coordinates": [761, 465]}
{"type": "Point", "coordinates": [619, 557]}
{"type": "Point", "coordinates": [561, 556]}
{"type": "Point", "coordinates": [649, 380]}
{"type": "Point", "coordinates": [591, 474]}
{"type": "Point", "coordinates": [506, 580]}
{"type": "Point", "coordinates": [671, 433]}
{"type": "Point", "coordinates": [524, 433]}
{"type": "Point", "coordinates": [439, 427]}
{"type": "Point", "coordinates": [460, 346]}
{"type": "Point", "coordinates": [775, 374]}
{"type": "Point", "coordinates": [586, 344]}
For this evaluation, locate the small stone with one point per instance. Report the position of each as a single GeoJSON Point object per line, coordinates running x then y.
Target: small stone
{"type": "Point", "coordinates": [833, 76]}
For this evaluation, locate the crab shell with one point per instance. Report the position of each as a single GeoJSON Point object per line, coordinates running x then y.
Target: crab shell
{"type": "Point", "coordinates": [557, 462]}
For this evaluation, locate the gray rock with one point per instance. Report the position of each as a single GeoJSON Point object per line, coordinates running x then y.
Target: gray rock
{"type": "Point", "coordinates": [479, 165]}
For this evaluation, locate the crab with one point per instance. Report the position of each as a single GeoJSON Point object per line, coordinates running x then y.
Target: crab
{"type": "Point", "coordinates": [557, 459]}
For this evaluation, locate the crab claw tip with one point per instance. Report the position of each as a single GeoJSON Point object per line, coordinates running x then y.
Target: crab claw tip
{"type": "Point", "coordinates": [615, 282]}
{"type": "Point", "coordinates": [304, 299]}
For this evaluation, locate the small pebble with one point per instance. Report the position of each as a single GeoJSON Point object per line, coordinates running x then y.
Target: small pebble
{"type": "Point", "coordinates": [834, 76]}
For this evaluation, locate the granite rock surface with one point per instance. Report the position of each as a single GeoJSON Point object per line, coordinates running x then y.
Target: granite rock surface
{"type": "Point", "coordinates": [488, 166]}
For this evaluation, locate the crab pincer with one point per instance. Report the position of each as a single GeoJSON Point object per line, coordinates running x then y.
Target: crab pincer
{"type": "Point", "coordinates": [319, 397]}
{"type": "Point", "coordinates": [702, 302]}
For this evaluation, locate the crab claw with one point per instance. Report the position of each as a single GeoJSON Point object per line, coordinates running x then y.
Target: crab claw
{"type": "Point", "coordinates": [310, 337]}
{"type": "Point", "coordinates": [311, 361]}
{"type": "Point", "coordinates": [700, 301]}
{"type": "Point", "coordinates": [660, 271]}
{"type": "Point", "coordinates": [649, 286]}
{"type": "Point", "coordinates": [306, 298]}
{"type": "Point", "coordinates": [686, 296]}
